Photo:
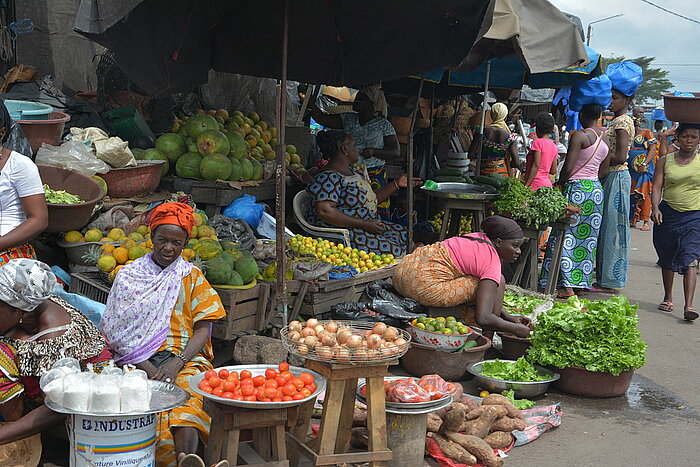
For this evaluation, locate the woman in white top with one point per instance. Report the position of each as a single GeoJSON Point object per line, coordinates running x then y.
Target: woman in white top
{"type": "Point", "coordinates": [23, 212]}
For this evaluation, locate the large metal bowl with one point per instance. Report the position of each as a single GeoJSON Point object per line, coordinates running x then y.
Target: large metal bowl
{"type": "Point", "coordinates": [402, 405]}
{"type": "Point", "coordinates": [521, 389]}
{"type": "Point", "coordinates": [455, 190]}
{"type": "Point", "coordinates": [259, 370]}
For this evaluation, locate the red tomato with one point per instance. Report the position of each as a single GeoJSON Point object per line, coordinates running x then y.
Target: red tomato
{"type": "Point", "coordinates": [237, 392]}
{"type": "Point", "coordinates": [204, 386]}
{"type": "Point", "coordinates": [229, 385]}
{"type": "Point", "coordinates": [265, 399]}
{"type": "Point", "coordinates": [214, 381]}
{"type": "Point", "coordinates": [246, 374]}
{"type": "Point", "coordinates": [289, 389]}
{"type": "Point", "coordinates": [246, 382]}
{"type": "Point", "coordinates": [234, 374]}
{"type": "Point", "coordinates": [276, 399]}
{"type": "Point", "coordinates": [258, 381]}
{"type": "Point", "coordinates": [287, 398]}
{"type": "Point", "coordinates": [260, 393]}
{"type": "Point", "coordinates": [228, 395]}
{"type": "Point", "coordinates": [209, 374]}
{"type": "Point", "coordinates": [238, 397]}
{"type": "Point", "coordinates": [223, 374]}
{"type": "Point", "coordinates": [271, 383]}
{"type": "Point", "coordinates": [297, 397]}
{"type": "Point", "coordinates": [305, 392]}
{"type": "Point", "coordinates": [312, 387]}
{"type": "Point", "coordinates": [281, 381]}
{"type": "Point", "coordinates": [287, 375]}
{"type": "Point", "coordinates": [251, 399]}
{"type": "Point", "coordinates": [247, 390]}
{"type": "Point", "coordinates": [284, 366]}
{"type": "Point", "coordinates": [307, 378]}
{"type": "Point", "coordinates": [363, 391]}
{"type": "Point", "coordinates": [218, 392]}
{"type": "Point", "coordinates": [298, 383]}
{"type": "Point", "coordinates": [270, 373]}
{"type": "Point", "coordinates": [270, 392]}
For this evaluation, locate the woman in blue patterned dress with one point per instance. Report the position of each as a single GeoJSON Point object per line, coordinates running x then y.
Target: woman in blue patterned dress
{"type": "Point", "coordinates": [344, 198]}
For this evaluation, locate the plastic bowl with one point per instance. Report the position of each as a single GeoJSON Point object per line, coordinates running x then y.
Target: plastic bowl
{"type": "Point", "coordinates": [47, 131]}
{"type": "Point", "coordinates": [514, 347]}
{"type": "Point", "coordinates": [65, 217]}
{"type": "Point", "coordinates": [133, 181]}
{"type": "Point", "coordinates": [76, 250]}
{"type": "Point", "coordinates": [27, 110]}
{"type": "Point", "coordinates": [524, 389]}
{"type": "Point", "coordinates": [682, 109]}
{"type": "Point", "coordinates": [444, 342]}
{"type": "Point", "coordinates": [582, 382]}
{"type": "Point", "coordinates": [423, 360]}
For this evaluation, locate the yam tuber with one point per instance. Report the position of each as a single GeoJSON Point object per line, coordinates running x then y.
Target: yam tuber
{"type": "Point", "coordinates": [477, 447]}
{"type": "Point", "coordinates": [499, 439]}
{"type": "Point", "coordinates": [359, 417]}
{"type": "Point", "coordinates": [469, 402]}
{"type": "Point", "coordinates": [508, 424]}
{"type": "Point", "coordinates": [453, 450]}
{"type": "Point", "coordinates": [482, 425]}
{"type": "Point", "coordinates": [476, 413]}
{"type": "Point", "coordinates": [497, 399]}
{"type": "Point", "coordinates": [453, 419]}
{"type": "Point", "coordinates": [434, 423]}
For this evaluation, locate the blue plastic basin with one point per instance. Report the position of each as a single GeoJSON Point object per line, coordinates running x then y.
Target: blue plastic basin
{"type": "Point", "coordinates": [25, 110]}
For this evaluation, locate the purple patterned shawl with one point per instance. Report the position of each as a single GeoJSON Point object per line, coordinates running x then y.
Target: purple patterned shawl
{"type": "Point", "coordinates": [139, 306]}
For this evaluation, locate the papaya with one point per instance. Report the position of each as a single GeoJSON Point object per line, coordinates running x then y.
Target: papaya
{"type": "Point", "coordinates": [247, 267]}
{"type": "Point", "coordinates": [218, 271]}
{"type": "Point", "coordinates": [228, 257]}
{"type": "Point", "coordinates": [235, 279]}
{"type": "Point", "coordinates": [207, 249]}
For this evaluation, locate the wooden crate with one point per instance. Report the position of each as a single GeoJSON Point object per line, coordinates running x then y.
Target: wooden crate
{"type": "Point", "coordinates": [318, 298]}
{"type": "Point", "coordinates": [246, 309]}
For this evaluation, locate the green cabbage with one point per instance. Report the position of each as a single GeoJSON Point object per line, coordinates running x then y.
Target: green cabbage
{"type": "Point", "coordinates": [597, 335]}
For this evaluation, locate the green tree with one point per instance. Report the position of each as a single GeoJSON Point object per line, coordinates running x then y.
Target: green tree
{"type": "Point", "coordinates": [655, 79]}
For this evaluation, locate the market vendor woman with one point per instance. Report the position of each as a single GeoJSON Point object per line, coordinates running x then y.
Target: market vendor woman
{"type": "Point", "coordinates": [158, 317]}
{"type": "Point", "coordinates": [343, 198]}
{"type": "Point", "coordinates": [465, 270]}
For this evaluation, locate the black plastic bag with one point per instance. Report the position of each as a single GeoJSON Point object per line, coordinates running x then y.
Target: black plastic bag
{"type": "Point", "coordinates": [392, 310]}
{"type": "Point", "coordinates": [354, 311]}
{"type": "Point", "coordinates": [383, 290]}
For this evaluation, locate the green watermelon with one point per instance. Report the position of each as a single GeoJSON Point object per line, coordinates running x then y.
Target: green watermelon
{"type": "Point", "coordinates": [187, 165]}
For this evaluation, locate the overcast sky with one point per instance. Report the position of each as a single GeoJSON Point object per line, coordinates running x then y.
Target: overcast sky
{"type": "Point", "coordinates": [645, 30]}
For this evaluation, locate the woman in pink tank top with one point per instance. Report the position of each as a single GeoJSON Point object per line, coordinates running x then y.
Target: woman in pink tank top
{"type": "Point", "coordinates": [586, 161]}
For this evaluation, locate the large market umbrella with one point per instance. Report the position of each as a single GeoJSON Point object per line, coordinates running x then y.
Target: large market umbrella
{"type": "Point", "coordinates": [170, 45]}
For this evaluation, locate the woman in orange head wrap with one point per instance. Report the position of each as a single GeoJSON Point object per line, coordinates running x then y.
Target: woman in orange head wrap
{"type": "Point", "coordinates": [158, 317]}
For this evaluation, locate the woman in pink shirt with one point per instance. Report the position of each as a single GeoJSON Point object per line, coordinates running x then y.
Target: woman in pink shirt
{"type": "Point", "coordinates": [465, 270]}
{"type": "Point", "coordinates": [541, 165]}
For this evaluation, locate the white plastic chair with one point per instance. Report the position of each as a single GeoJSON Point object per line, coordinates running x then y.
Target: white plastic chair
{"type": "Point", "coordinates": [303, 198]}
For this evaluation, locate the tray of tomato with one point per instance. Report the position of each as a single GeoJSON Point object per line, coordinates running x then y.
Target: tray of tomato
{"type": "Point", "coordinates": [412, 393]}
{"type": "Point", "coordinates": [259, 386]}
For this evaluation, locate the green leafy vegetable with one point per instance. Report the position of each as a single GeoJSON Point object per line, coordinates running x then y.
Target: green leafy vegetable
{"type": "Point", "coordinates": [520, 404]}
{"type": "Point", "coordinates": [60, 196]}
{"type": "Point", "coordinates": [520, 370]}
{"type": "Point", "coordinates": [597, 335]}
{"type": "Point", "coordinates": [523, 305]}
{"type": "Point", "coordinates": [534, 208]}
{"type": "Point", "coordinates": [513, 196]}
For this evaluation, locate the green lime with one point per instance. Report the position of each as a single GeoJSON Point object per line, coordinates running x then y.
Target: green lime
{"type": "Point", "coordinates": [420, 326]}
{"type": "Point", "coordinates": [422, 319]}
{"type": "Point", "coordinates": [429, 327]}
{"type": "Point", "coordinates": [451, 318]}
{"type": "Point", "coordinates": [447, 331]}
{"type": "Point", "coordinates": [441, 318]}
{"type": "Point", "coordinates": [463, 330]}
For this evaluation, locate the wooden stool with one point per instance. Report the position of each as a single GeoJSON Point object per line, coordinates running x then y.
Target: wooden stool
{"type": "Point", "coordinates": [268, 426]}
{"type": "Point", "coordinates": [455, 209]}
{"type": "Point", "coordinates": [331, 445]}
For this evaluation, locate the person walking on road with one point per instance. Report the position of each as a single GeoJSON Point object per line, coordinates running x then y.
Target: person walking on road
{"type": "Point", "coordinates": [675, 203]}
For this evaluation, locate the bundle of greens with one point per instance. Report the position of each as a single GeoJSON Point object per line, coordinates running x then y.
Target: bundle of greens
{"type": "Point", "coordinates": [534, 208]}
{"type": "Point", "coordinates": [523, 305]}
{"type": "Point", "coordinates": [60, 196]}
{"type": "Point", "coordinates": [520, 404]}
{"type": "Point", "coordinates": [513, 196]}
{"type": "Point", "coordinates": [519, 370]}
{"type": "Point", "coordinates": [599, 336]}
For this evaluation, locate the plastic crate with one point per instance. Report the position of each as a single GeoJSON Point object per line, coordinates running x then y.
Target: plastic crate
{"type": "Point", "coordinates": [92, 285]}
{"type": "Point", "coordinates": [129, 125]}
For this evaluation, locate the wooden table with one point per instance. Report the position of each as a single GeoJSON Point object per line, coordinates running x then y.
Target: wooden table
{"type": "Point", "coordinates": [331, 446]}
{"type": "Point", "coordinates": [455, 209]}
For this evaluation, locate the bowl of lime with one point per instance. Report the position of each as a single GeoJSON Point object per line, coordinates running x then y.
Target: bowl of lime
{"type": "Point", "coordinates": [446, 334]}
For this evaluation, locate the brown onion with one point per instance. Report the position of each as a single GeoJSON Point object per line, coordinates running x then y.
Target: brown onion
{"type": "Point", "coordinates": [319, 328]}
{"type": "Point", "coordinates": [332, 327]}
{"type": "Point", "coordinates": [311, 322]}
{"type": "Point", "coordinates": [294, 336]}
{"type": "Point", "coordinates": [342, 354]}
{"type": "Point", "coordinates": [295, 326]}
{"type": "Point", "coordinates": [374, 341]}
{"type": "Point", "coordinates": [343, 336]}
{"type": "Point", "coordinates": [306, 332]}
{"type": "Point", "coordinates": [400, 342]}
{"type": "Point", "coordinates": [311, 341]}
{"type": "Point", "coordinates": [329, 340]}
{"type": "Point", "coordinates": [390, 334]}
{"type": "Point", "coordinates": [379, 328]}
{"type": "Point", "coordinates": [354, 342]}
{"type": "Point", "coordinates": [324, 353]}
{"type": "Point", "coordinates": [303, 349]}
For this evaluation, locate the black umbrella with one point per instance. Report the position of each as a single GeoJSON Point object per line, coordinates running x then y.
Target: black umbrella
{"type": "Point", "coordinates": [170, 45]}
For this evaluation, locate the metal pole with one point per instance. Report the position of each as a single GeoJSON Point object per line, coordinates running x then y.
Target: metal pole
{"type": "Point", "coordinates": [483, 119]}
{"type": "Point", "coordinates": [281, 175]}
{"type": "Point", "coordinates": [588, 36]}
{"type": "Point", "coordinates": [409, 172]}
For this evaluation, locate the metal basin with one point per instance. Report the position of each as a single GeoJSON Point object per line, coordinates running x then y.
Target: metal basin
{"type": "Point", "coordinates": [521, 389]}
{"type": "Point", "coordinates": [454, 190]}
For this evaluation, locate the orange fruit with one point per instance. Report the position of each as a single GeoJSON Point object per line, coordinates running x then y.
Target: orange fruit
{"type": "Point", "coordinates": [121, 254]}
{"type": "Point", "coordinates": [106, 263]}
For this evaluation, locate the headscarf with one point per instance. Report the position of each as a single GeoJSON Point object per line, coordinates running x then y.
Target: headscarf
{"type": "Point", "coordinates": [376, 95]}
{"type": "Point", "coordinates": [499, 112]}
{"type": "Point", "coordinates": [137, 316]}
{"type": "Point", "coordinates": [501, 227]}
{"type": "Point", "coordinates": [178, 214]}
{"type": "Point", "coordinates": [26, 283]}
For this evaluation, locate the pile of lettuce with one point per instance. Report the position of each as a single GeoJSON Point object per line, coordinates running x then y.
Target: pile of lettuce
{"type": "Point", "coordinates": [523, 305]}
{"type": "Point", "coordinates": [597, 335]}
{"type": "Point", "coordinates": [519, 370]}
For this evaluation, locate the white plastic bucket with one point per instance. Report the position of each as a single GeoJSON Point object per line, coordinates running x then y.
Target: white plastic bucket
{"type": "Point", "coordinates": [128, 441]}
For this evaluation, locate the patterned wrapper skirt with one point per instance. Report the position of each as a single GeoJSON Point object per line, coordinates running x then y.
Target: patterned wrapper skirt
{"type": "Point", "coordinates": [677, 238]}
{"type": "Point", "coordinates": [429, 276]}
{"type": "Point", "coordinates": [613, 255]}
{"type": "Point", "coordinates": [495, 165]}
{"type": "Point", "coordinates": [22, 251]}
{"type": "Point", "coordinates": [581, 240]}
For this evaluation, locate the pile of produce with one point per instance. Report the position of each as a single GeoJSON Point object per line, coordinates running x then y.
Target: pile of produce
{"type": "Point", "coordinates": [412, 391]}
{"type": "Point", "coordinates": [534, 208]}
{"type": "Point", "coordinates": [344, 343]}
{"type": "Point", "coordinates": [117, 248]}
{"type": "Point", "coordinates": [441, 325]}
{"type": "Point", "coordinates": [599, 335]}
{"type": "Point", "coordinates": [523, 305]}
{"type": "Point", "coordinates": [338, 254]}
{"type": "Point", "coordinates": [519, 370]}
{"type": "Point", "coordinates": [60, 196]}
{"type": "Point", "coordinates": [468, 433]}
{"type": "Point", "coordinates": [465, 222]}
{"type": "Point", "coordinates": [451, 175]}
{"type": "Point", "coordinates": [274, 386]}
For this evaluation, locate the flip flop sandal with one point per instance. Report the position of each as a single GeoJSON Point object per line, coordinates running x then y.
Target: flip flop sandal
{"type": "Point", "coordinates": [666, 306]}
{"type": "Point", "coordinates": [191, 460]}
{"type": "Point", "coordinates": [645, 228]}
{"type": "Point", "coordinates": [598, 289]}
{"type": "Point", "coordinates": [564, 296]}
{"type": "Point", "coordinates": [690, 314]}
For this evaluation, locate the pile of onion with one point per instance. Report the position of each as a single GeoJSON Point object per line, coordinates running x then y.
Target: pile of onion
{"type": "Point", "coordinates": [331, 341]}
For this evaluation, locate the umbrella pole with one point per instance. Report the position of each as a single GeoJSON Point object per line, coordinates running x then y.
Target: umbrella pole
{"type": "Point", "coordinates": [280, 176]}
{"type": "Point", "coordinates": [409, 154]}
{"type": "Point", "coordinates": [483, 118]}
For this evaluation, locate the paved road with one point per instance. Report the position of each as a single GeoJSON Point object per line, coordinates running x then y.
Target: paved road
{"type": "Point", "coordinates": [657, 423]}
